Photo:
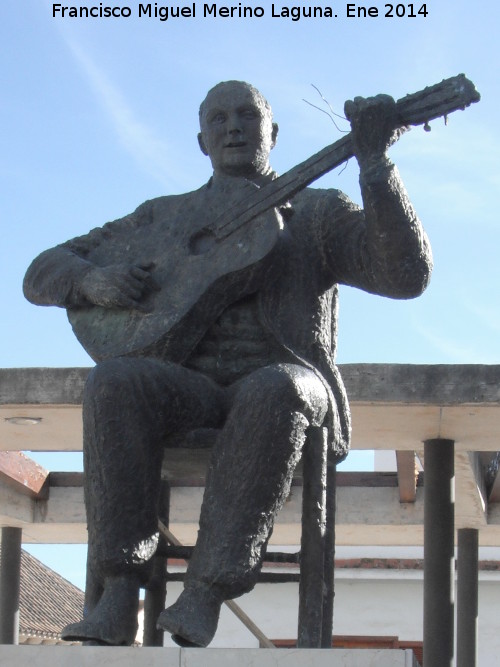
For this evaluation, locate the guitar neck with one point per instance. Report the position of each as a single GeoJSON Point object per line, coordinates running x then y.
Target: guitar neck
{"type": "Point", "coordinates": [415, 109]}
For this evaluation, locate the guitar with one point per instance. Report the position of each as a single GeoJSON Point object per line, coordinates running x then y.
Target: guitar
{"type": "Point", "coordinates": [203, 269]}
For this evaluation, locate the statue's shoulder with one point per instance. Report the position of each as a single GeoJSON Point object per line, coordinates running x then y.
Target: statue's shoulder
{"type": "Point", "coordinates": [144, 219]}
{"type": "Point", "coordinates": [170, 203]}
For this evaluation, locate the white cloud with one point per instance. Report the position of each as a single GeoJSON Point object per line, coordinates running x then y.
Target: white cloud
{"type": "Point", "coordinates": [453, 349]}
{"type": "Point", "coordinates": [488, 316]}
{"type": "Point", "coordinates": [150, 151]}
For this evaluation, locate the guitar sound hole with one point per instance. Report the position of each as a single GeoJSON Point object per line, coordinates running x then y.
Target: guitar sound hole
{"type": "Point", "coordinates": [201, 242]}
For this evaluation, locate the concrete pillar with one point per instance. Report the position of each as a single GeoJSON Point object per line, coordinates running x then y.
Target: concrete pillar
{"type": "Point", "coordinates": [439, 552]}
{"type": "Point", "coordinates": [467, 597]}
{"type": "Point", "coordinates": [10, 585]}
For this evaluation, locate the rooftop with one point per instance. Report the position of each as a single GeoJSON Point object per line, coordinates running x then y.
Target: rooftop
{"type": "Point", "coordinates": [47, 603]}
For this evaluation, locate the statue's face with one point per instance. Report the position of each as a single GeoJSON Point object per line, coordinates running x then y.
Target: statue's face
{"type": "Point", "coordinates": [237, 131]}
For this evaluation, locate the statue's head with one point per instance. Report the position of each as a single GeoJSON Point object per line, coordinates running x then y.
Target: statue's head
{"type": "Point", "coordinates": [237, 129]}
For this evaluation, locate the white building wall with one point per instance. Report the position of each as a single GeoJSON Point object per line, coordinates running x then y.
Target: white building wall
{"type": "Point", "coordinates": [367, 602]}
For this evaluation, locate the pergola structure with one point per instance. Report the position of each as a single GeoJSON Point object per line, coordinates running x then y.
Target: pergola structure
{"type": "Point", "coordinates": [442, 418]}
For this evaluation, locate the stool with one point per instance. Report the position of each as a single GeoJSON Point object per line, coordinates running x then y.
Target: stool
{"type": "Point", "coordinates": [316, 556]}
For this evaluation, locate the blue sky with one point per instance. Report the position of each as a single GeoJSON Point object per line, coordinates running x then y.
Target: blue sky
{"type": "Point", "coordinates": [98, 115]}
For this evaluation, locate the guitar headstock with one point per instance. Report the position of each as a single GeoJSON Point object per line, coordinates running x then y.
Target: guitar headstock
{"type": "Point", "coordinates": [438, 100]}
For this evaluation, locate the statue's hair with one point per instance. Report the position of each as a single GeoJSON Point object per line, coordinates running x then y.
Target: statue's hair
{"type": "Point", "coordinates": [265, 104]}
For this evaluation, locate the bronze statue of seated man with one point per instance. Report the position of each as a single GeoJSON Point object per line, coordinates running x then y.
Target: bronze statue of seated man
{"type": "Point", "coordinates": [252, 355]}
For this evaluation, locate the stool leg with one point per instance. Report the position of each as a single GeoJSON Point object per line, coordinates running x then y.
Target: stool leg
{"type": "Point", "coordinates": [329, 558]}
{"type": "Point", "coordinates": [156, 592]}
{"type": "Point", "coordinates": [313, 539]}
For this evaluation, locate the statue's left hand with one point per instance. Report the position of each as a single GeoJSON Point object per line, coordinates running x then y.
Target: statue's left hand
{"type": "Point", "coordinates": [374, 126]}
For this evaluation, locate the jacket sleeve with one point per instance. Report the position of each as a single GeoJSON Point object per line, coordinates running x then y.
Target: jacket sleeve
{"type": "Point", "coordinates": [382, 249]}
{"type": "Point", "coordinates": [55, 276]}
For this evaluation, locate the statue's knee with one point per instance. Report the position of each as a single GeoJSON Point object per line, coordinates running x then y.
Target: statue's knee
{"type": "Point", "coordinates": [287, 387]}
{"type": "Point", "coordinates": [266, 384]}
{"type": "Point", "coordinates": [108, 378]}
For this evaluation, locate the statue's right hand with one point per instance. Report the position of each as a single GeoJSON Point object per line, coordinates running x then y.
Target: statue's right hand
{"type": "Point", "coordinates": [119, 285]}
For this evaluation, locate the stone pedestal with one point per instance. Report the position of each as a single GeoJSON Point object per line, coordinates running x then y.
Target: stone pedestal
{"type": "Point", "coordinates": [90, 656]}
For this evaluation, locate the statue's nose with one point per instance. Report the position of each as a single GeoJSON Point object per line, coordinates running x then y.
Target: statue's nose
{"type": "Point", "coordinates": [234, 125]}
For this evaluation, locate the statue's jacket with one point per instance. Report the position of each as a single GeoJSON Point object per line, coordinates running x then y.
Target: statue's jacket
{"type": "Point", "coordinates": [326, 241]}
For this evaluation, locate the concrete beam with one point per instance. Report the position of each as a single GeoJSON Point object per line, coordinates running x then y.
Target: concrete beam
{"type": "Point", "coordinates": [425, 384]}
{"type": "Point", "coordinates": [471, 498]}
{"type": "Point", "coordinates": [41, 428]}
{"type": "Point", "coordinates": [405, 426]}
{"type": "Point", "coordinates": [375, 518]}
{"type": "Point", "coordinates": [407, 476]}
{"type": "Point", "coordinates": [395, 406]}
{"type": "Point", "coordinates": [42, 386]}
{"type": "Point", "coordinates": [368, 512]}
{"type": "Point", "coordinates": [61, 516]}
{"type": "Point", "coordinates": [375, 426]}
{"type": "Point", "coordinates": [16, 509]}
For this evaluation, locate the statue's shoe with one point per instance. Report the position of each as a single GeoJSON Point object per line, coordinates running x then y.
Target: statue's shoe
{"type": "Point", "coordinates": [92, 632]}
{"type": "Point", "coordinates": [193, 619]}
{"type": "Point", "coordinates": [113, 621]}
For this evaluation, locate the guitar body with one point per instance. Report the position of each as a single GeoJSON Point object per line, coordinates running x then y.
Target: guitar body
{"type": "Point", "coordinates": [198, 275]}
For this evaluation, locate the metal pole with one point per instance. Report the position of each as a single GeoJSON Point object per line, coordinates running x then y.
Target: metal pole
{"type": "Point", "coordinates": [312, 540]}
{"type": "Point", "coordinates": [467, 597]}
{"type": "Point", "coordinates": [439, 553]}
{"type": "Point", "coordinates": [10, 585]}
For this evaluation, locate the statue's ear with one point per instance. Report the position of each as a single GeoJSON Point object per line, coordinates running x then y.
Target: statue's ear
{"type": "Point", "coordinates": [201, 143]}
{"type": "Point", "coordinates": [274, 134]}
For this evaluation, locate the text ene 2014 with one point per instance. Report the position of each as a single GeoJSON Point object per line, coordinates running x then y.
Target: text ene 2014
{"type": "Point", "coordinates": [391, 11]}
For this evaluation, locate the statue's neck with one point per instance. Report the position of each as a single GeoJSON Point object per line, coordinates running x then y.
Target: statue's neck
{"type": "Point", "coordinates": [220, 179]}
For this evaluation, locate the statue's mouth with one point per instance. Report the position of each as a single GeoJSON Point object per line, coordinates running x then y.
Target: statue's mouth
{"type": "Point", "coordinates": [236, 144]}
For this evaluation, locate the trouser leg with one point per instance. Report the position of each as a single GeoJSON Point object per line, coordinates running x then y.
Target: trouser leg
{"type": "Point", "coordinates": [130, 407]}
{"type": "Point", "coordinates": [250, 474]}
